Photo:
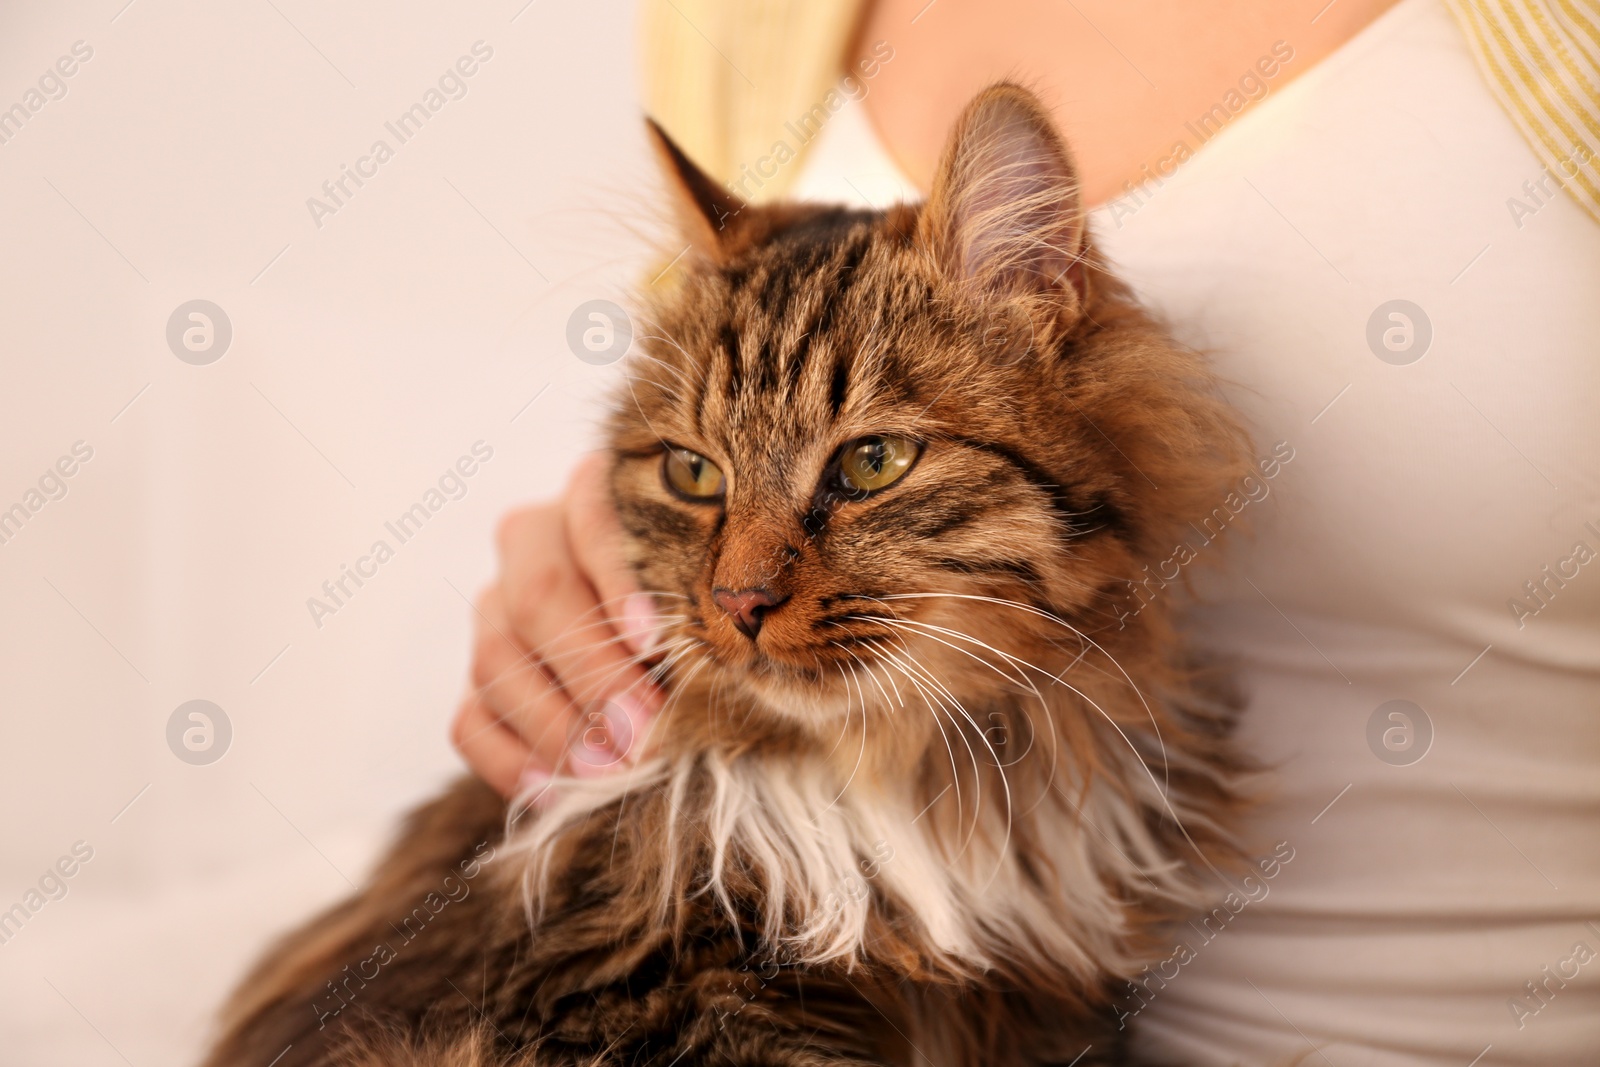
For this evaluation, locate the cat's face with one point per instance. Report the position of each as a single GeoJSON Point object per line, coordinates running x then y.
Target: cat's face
{"type": "Point", "coordinates": [867, 451]}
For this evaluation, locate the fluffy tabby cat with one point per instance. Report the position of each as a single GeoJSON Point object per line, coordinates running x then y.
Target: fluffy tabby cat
{"type": "Point", "coordinates": [923, 793]}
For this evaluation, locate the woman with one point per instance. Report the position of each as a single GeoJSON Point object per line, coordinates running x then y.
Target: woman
{"type": "Point", "coordinates": [1356, 208]}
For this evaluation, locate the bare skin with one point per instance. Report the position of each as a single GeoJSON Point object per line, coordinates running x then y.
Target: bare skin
{"type": "Point", "coordinates": [1122, 76]}
{"type": "Point", "coordinates": [561, 630]}
{"type": "Point", "coordinates": [555, 639]}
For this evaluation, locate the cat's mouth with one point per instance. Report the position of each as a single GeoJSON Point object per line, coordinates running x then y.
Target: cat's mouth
{"type": "Point", "coordinates": [813, 679]}
{"type": "Point", "coordinates": [815, 656]}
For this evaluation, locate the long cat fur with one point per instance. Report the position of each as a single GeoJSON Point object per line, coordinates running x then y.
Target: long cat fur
{"type": "Point", "coordinates": [946, 802]}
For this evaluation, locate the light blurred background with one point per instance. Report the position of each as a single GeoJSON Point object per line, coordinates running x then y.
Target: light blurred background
{"type": "Point", "coordinates": [374, 345]}
{"type": "Point", "coordinates": [368, 353]}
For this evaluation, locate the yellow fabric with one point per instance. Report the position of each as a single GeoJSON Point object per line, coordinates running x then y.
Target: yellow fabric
{"type": "Point", "coordinates": [1542, 59]}
{"type": "Point", "coordinates": [724, 76]}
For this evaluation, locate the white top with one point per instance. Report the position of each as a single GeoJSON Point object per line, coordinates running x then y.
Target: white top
{"type": "Point", "coordinates": [1436, 469]}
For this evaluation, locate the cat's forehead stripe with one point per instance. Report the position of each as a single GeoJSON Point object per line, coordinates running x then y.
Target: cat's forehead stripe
{"type": "Point", "coordinates": [843, 274]}
{"type": "Point", "coordinates": [787, 304]}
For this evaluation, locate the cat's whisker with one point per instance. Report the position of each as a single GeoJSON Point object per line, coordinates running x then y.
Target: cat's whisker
{"type": "Point", "coordinates": [532, 660]}
{"type": "Point", "coordinates": [529, 665]}
{"type": "Point", "coordinates": [876, 600]}
{"type": "Point", "coordinates": [672, 653]}
{"type": "Point", "coordinates": [899, 700]}
{"type": "Point", "coordinates": [673, 701]}
{"type": "Point", "coordinates": [716, 700]}
{"type": "Point", "coordinates": [844, 730]}
{"type": "Point", "coordinates": [955, 773]}
{"type": "Point", "coordinates": [1078, 692]}
{"type": "Point", "coordinates": [633, 394]}
{"type": "Point", "coordinates": [658, 673]}
{"type": "Point", "coordinates": [1000, 768]}
{"type": "Point", "coordinates": [939, 694]}
{"type": "Point", "coordinates": [1043, 704]}
{"type": "Point", "coordinates": [859, 755]}
{"type": "Point", "coordinates": [602, 605]}
{"type": "Point", "coordinates": [694, 379]}
{"type": "Point", "coordinates": [652, 323]}
{"type": "Point", "coordinates": [859, 691]}
{"type": "Point", "coordinates": [868, 668]}
{"type": "Point", "coordinates": [1021, 680]}
{"type": "Point", "coordinates": [1026, 682]}
{"type": "Point", "coordinates": [1052, 617]}
{"type": "Point", "coordinates": [551, 659]}
{"type": "Point", "coordinates": [611, 671]}
{"type": "Point", "coordinates": [1161, 791]}
{"type": "Point", "coordinates": [642, 356]}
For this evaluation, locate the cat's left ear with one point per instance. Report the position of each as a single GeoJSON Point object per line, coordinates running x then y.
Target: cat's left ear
{"type": "Point", "coordinates": [711, 219]}
{"type": "Point", "coordinates": [1006, 215]}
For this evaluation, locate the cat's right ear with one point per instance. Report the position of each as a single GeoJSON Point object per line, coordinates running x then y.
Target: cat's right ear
{"type": "Point", "coordinates": [1005, 215]}
{"type": "Point", "coordinates": [709, 217]}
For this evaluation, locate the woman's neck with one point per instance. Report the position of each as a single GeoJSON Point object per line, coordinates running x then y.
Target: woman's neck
{"type": "Point", "coordinates": [1129, 81]}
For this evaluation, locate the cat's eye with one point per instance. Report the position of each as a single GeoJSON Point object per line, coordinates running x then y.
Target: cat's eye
{"type": "Point", "coordinates": [692, 475]}
{"type": "Point", "coordinates": [875, 462]}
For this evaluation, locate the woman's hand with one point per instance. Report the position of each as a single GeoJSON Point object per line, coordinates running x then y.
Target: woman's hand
{"type": "Point", "coordinates": [557, 673]}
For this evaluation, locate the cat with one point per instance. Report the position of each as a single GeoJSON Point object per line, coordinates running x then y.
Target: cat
{"type": "Point", "coordinates": [922, 792]}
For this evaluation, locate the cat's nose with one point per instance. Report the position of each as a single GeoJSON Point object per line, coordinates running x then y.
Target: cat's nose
{"type": "Point", "coordinates": [746, 607]}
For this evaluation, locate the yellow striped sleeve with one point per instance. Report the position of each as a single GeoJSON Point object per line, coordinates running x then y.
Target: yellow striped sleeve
{"type": "Point", "coordinates": [1542, 60]}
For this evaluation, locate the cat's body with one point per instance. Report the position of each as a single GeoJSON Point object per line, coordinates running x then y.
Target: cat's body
{"type": "Point", "coordinates": [923, 793]}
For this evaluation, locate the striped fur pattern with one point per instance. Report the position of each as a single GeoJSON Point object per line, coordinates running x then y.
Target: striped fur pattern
{"type": "Point", "coordinates": [945, 798]}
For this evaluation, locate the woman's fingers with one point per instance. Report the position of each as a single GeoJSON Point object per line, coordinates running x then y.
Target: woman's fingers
{"type": "Point", "coordinates": [513, 687]}
{"type": "Point", "coordinates": [495, 753]}
{"type": "Point", "coordinates": [564, 595]}
{"type": "Point", "coordinates": [559, 616]}
{"type": "Point", "coordinates": [489, 726]}
{"type": "Point", "coordinates": [596, 536]}
{"type": "Point", "coordinates": [559, 678]}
